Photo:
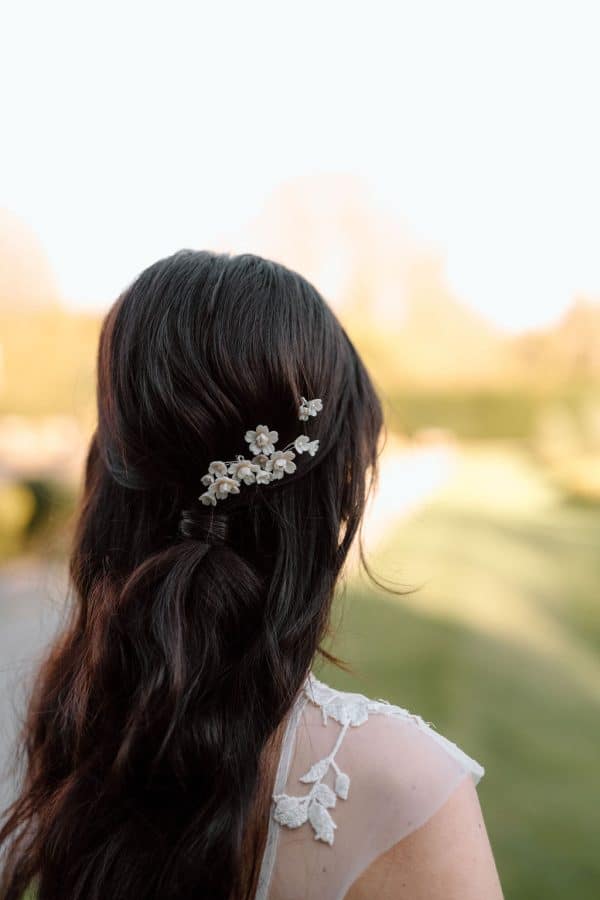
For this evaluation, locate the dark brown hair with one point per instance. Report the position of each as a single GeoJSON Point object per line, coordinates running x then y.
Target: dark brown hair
{"type": "Point", "coordinates": [193, 628]}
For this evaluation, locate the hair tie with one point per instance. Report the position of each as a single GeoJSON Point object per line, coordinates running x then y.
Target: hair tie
{"type": "Point", "coordinates": [207, 529]}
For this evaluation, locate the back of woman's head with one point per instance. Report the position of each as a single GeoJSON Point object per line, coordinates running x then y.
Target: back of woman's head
{"type": "Point", "coordinates": [194, 625]}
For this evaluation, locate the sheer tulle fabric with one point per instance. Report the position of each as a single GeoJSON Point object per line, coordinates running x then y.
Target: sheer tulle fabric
{"type": "Point", "coordinates": [401, 772]}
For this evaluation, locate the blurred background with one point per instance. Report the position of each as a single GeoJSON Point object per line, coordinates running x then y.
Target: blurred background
{"type": "Point", "coordinates": [433, 169]}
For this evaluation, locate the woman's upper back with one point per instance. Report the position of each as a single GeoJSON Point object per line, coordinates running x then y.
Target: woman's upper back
{"type": "Point", "coordinates": [355, 777]}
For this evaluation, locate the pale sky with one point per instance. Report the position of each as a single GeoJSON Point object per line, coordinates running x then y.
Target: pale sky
{"type": "Point", "coordinates": [133, 129]}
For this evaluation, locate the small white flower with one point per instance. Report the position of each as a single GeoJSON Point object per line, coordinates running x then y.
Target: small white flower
{"type": "Point", "coordinates": [262, 440]}
{"type": "Point", "coordinates": [207, 479]}
{"type": "Point", "coordinates": [300, 443]}
{"type": "Point", "coordinates": [281, 462]}
{"type": "Point", "coordinates": [261, 459]}
{"type": "Point", "coordinates": [208, 498]}
{"type": "Point", "coordinates": [217, 468]}
{"type": "Point", "coordinates": [309, 408]}
{"type": "Point", "coordinates": [244, 470]}
{"type": "Point", "coordinates": [303, 443]}
{"type": "Point", "coordinates": [263, 476]}
{"type": "Point", "coordinates": [224, 486]}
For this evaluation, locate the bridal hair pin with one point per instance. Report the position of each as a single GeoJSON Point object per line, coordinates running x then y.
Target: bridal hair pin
{"type": "Point", "coordinates": [267, 463]}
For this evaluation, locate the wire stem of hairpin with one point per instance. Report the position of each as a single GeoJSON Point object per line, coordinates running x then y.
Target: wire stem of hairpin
{"type": "Point", "coordinates": [225, 477]}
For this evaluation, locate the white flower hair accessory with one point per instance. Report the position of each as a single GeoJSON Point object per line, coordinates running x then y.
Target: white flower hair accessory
{"type": "Point", "coordinates": [267, 464]}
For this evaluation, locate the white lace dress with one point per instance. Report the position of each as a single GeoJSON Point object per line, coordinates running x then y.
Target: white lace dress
{"type": "Point", "coordinates": [355, 776]}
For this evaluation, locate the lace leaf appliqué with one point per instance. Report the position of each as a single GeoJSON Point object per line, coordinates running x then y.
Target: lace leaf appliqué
{"type": "Point", "coordinates": [349, 710]}
{"type": "Point", "coordinates": [313, 807]}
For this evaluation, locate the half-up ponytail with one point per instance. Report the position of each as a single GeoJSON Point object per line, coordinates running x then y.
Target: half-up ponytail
{"type": "Point", "coordinates": [154, 722]}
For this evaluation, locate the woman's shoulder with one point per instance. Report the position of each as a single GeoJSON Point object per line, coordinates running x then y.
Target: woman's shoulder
{"type": "Point", "coordinates": [401, 767]}
{"type": "Point", "coordinates": [357, 775]}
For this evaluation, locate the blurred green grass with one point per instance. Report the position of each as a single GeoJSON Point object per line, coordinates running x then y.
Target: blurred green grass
{"type": "Point", "coordinates": [498, 648]}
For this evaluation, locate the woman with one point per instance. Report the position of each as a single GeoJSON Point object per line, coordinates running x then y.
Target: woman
{"type": "Point", "coordinates": [178, 745]}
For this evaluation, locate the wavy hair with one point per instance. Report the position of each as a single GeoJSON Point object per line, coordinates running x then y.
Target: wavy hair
{"type": "Point", "coordinates": [154, 720]}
